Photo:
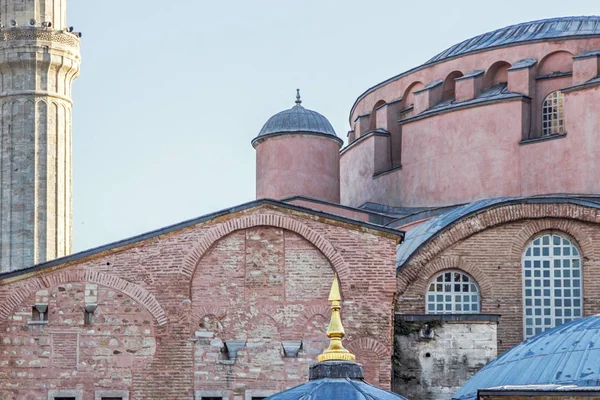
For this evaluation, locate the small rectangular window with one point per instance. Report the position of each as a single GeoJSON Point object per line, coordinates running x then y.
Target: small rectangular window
{"type": "Point", "coordinates": [64, 398]}
{"type": "Point", "coordinates": [258, 398]}
{"type": "Point", "coordinates": [112, 398]}
{"type": "Point", "coordinates": [212, 398]}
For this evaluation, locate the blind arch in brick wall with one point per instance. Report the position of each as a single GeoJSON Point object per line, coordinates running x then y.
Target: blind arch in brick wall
{"type": "Point", "coordinates": [279, 221]}
{"type": "Point", "coordinates": [139, 294]}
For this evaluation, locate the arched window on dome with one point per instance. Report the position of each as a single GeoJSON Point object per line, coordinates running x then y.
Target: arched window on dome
{"type": "Point", "coordinates": [553, 114]}
{"type": "Point", "coordinates": [552, 293]}
{"type": "Point", "coordinates": [452, 292]}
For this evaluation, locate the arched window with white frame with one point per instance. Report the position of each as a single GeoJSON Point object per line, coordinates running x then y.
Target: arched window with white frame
{"type": "Point", "coordinates": [553, 114]}
{"type": "Point", "coordinates": [552, 283]}
{"type": "Point", "coordinates": [452, 292]}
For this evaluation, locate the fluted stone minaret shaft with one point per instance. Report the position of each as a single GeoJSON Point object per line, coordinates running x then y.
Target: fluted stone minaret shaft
{"type": "Point", "coordinates": [39, 60]}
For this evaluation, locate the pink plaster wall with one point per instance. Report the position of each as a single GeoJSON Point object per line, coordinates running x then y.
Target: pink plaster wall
{"type": "Point", "coordinates": [462, 155]}
{"type": "Point", "coordinates": [298, 165]}
{"type": "Point", "coordinates": [474, 153]}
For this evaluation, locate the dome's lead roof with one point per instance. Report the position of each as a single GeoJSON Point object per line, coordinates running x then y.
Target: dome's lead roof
{"type": "Point", "coordinates": [566, 355]}
{"type": "Point", "coordinates": [525, 32]}
{"type": "Point", "coordinates": [297, 119]}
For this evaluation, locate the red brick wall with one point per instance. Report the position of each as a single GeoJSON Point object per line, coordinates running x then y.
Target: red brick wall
{"type": "Point", "coordinates": [489, 247]}
{"type": "Point", "coordinates": [261, 275]}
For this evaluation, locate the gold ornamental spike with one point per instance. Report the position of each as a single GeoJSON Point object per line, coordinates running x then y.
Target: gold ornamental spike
{"type": "Point", "coordinates": [335, 351]}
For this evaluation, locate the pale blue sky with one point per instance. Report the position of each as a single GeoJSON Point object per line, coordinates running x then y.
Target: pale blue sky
{"type": "Point", "coordinates": [172, 92]}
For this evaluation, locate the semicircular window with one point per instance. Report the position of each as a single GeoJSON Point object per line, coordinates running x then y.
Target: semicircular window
{"type": "Point", "coordinates": [551, 283]}
{"type": "Point", "coordinates": [452, 292]}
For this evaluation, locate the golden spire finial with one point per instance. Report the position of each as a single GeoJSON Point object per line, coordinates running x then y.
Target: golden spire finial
{"type": "Point", "coordinates": [335, 351]}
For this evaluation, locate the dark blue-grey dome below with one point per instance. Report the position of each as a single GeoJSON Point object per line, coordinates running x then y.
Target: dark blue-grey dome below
{"type": "Point", "coordinates": [568, 355]}
{"type": "Point", "coordinates": [335, 380]}
{"type": "Point", "coordinates": [297, 120]}
{"type": "Point", "coordinates": [525, 32]}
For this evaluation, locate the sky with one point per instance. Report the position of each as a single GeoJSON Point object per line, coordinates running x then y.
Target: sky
{"type": "Point", "coordinates": [172, 92]}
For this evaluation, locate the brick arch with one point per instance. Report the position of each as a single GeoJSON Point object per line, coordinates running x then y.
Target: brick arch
{"type": "Point", "coordinates": [204, 311]}
{"type": "Point", "coordinates": [366, 346]}
{"type": "Point", "coordinates": [134, 291]}
{"type": "Point", "coordinates": [309, 313]}
{"type": "Point", "coordinates": [493, 217]}
{"type": "Point", "coordinates": [369, 345]}
{"type": "Point", "coordinates": [573, 231]}
{"type": "Point", "coordinates": [420, 279]}
{"type": "Point", "coordinates": [192, 259]}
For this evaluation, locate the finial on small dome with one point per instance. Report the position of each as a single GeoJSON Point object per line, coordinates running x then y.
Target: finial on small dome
{"type": "Point", "coordinates": [336, 351]}
{"type": "Point", "coordinates": [298, 101]}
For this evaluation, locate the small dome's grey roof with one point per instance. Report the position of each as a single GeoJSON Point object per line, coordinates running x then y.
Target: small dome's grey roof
{"type": "Point", "coordinates": [297, 119]}
{"type": "Point", "coordinates": [552, 28]}
{"type": "Point", "coordinates": [336, 380]}
{"type": "Point", "coordinates": [565, 355]}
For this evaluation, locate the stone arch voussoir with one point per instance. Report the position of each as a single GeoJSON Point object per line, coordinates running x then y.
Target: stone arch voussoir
{"type": "Point", "coordinates": [139, 294]}
{"type": "Point", "coordinates": [192, 259]}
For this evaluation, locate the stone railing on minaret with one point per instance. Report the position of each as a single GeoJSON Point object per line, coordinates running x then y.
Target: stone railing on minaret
{"type": "Point", "coordinates": [39, 60]}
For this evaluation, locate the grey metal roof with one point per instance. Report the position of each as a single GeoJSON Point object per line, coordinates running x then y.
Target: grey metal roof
{"type": "Point", "coordinates": [297, 119]}
{"type": "Point", "coordinates": [336, 380]}
{"type": "Point", "coordinates": [496, 92]}
{"type": "Point", "coordinates": [564, 356]}
{"type": "Point", "coordinates": [553, 28]}
{"type": "Point", "coordinates": [425, 232]}
{"type": "Point", "coordinates": [336, 389]}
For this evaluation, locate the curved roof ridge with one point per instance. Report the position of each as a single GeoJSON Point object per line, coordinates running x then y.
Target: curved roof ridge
{"type": "Point", "coordinates": [422, 234]}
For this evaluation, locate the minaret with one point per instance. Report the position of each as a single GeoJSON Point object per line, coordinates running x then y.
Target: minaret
{"type": "Point", "coordinates": [39, 60]}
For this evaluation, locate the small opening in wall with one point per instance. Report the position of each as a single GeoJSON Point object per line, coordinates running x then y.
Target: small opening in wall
{"type": "Point", "coordinates": [39, 313]}
{"type": "Point", "coordinates": [88, 318]}
{"type": "Point", "coordinates": [107, 263]}
{"type": "Point", "coordinates": [428, 355]}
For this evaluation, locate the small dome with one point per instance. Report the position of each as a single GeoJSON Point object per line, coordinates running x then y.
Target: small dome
{"type": "Point", "coordinates": [565, 355]}
{"type": "Point", "coordinates": [297, 119]}
{"type": "Point", "coordinates": [336, 380]}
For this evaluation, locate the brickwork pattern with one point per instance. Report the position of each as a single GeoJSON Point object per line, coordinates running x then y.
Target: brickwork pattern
{"type": "Point", "coordinates": [489, 246]}
{"type": "Point", "coordinates": [261, 276]}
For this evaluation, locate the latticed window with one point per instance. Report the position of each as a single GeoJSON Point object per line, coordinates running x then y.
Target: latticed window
{"type": "Point", "coordinates": [453, 292]}
{"type": "Point", "coordinates": [553, 114]}
{"type": "Point", "coordinates": [551, 283]}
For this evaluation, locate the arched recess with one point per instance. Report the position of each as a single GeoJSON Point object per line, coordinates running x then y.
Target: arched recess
{"type": "Point", "coordinates": [486, 219]}
{"type": "Point", "coordinates": [378, 118]}
{"type": "Point", "coordinates": [279, 221]}
{"type": "Point", "coordinates": [449, 90]}
{"type": "Point", "coordinates": [139, 294]}
{"type": "Point", "coordinates": [558, 61]}
{"type": "Point", "coordinates": [419, 286]}
{"type": "Point", "coordinates": [496, 74]}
